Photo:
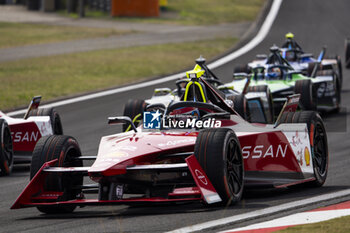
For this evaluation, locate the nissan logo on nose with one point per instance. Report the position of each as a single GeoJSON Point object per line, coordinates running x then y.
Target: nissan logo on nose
{"type": "Point", "coordinates": [201, 177]}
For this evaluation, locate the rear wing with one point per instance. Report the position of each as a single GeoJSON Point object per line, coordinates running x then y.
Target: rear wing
{"type": "Point", "coordinates": [290, 105]}
{"type": "Point", "coordinates": [319, 60]}
{"type": "Point", "coordinates": [34, 104]}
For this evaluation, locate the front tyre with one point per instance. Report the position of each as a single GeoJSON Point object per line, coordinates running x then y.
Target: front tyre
{"type": "Point", "coordinates": [308, 98]}
{"type": "Point", "coordinates": [66, 150]}
{"type": "Point", "coordinates": [133, 109]}
{"type": "Point", "coordinates": [240, 105]}
{"type": "Point", "coordinates": [6, 149]}
{"type": "Point", "coordinates": [219, 153]}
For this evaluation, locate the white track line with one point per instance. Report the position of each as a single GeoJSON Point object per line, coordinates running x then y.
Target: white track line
{"type": "Point", "coordinates": [265, 28]}
{"type": "Point", "coordinates": [295, 219]}
{"type": "Point", "coordinates": [263, 212]}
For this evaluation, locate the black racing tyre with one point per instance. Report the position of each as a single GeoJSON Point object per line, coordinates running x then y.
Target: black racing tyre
{"type": "Point", "coordinates": [218, 151]}
{"type": "Point", "coordinates": [347, 53]}
{"type": "Point", "coordinates": [318, 141]}
{"type": "Point", "coordinates": [55, 118]}
{"type": "Point", "coordinates": [310, 68]}
{"type": "Point", "coordinates": [6, 149]}
{"type": "Point", "coordinates": [131, 109]}
{"type": "Point", "coordinates": [66, 150]}
{"type": "Point", "coordinates": [308, 98]}
{"type": "Point", "coordinates": [269, 110]}
{"type": "Point", "coordinates": [242, 69]}
{"type": "Point", "coordinates": [340, 69]}
{"type": "Point", "coordinates": [240, 105]}
{"type": "Point", "coordinates": [337, 95]}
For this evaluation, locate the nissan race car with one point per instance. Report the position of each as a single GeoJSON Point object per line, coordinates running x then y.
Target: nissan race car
{"type": "Point", "coordinates": [19, 136]}
{"type": "Point", "coordinates": [253, 104]}
{"type": "Point", "coordinates": [159, 162]}
{"type": "Point", "coordinates": [321, 92]}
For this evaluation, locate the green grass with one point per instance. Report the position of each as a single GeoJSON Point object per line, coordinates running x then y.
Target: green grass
{"type": "Point", "coordinates": [19, 34]}
{"type": "Point", "coordinates": [66, 75]}
{"type": "Point", "coordinates": [202, 12]}
{"type": "Point", "coordinates": [338, 225]}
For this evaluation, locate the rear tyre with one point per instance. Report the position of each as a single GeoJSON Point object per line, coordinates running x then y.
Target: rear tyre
{"type": "Point", "coordinates": [340, 69]}
{"type": "Point", "coordinates": [6, 149]}
{"type": "Point", "coordinates": [54, 118]}
{"type": "Point", "coordinates": [347, 53]}
{"type": "Point", "coordinates": [240, 105]}
{"type": "Point", "coordinates": [132, 109]}
{"type": "Point", "coordinates": [269, 111]}
{"type": "Point", "coordinates": [310, 68]}
{"type": "Point", "coordinates": [308, 98]}
{"type": "Point", "coordinates": [242, 69]}
{"type": "Point", "coordinates": [318, 142]}
{"type": "Point", "coordinates": [66, 150]}
{"type": "Point", "coordinates": [219, 153]}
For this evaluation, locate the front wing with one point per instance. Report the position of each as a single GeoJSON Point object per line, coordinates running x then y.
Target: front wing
{"type": "Point", "coordinates": [35, 195]}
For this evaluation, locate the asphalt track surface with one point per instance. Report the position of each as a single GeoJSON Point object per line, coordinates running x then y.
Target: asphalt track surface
{"type": "Point", "coordinates": [314, 22]}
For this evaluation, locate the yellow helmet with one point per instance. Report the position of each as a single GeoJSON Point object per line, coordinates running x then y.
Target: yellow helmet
{"type": "Point", "coordinates": [289, 35]}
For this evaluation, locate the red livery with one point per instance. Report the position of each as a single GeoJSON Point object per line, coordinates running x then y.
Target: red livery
{"type": "Point", "coordinates": [211, 165]}
{"type": "Point", "coordinates": [20, 135]}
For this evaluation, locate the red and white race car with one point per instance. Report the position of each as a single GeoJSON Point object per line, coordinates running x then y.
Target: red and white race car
{"type": "Point", "coordinates": [20, 135]}
{"type": "Point", "coordinates": [161, 162]}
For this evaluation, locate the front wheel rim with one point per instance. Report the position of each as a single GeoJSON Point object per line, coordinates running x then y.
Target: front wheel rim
{"type": "Point", "coordinates": [234, 168]}
{"type": "Point", "coordinates": [320, 150]}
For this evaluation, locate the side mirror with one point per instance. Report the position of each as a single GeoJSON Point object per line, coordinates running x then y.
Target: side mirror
{"type": "Point", "coordinates": [121, 120]}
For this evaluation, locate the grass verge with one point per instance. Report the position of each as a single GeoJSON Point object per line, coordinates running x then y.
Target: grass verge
{"type": "Point", "coordinates": [338, 225]}
{"type": "Point", "coordinates": [66, 75]}
{"type": "Point", "coordinates": [200, 12]}
{"type": "Point", "coordinates": [19, 34]}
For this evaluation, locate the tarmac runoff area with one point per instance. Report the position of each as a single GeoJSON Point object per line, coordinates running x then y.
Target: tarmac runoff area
{"type": "Point", "coordinates": [313, 216]}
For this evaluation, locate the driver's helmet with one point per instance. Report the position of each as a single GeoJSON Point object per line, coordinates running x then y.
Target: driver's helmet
{"type": "Point", "coordinates": [274, 73]}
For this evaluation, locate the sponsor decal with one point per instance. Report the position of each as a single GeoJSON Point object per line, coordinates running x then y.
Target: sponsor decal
{"type": "Point", "coordinates": [127, 148]}
{"type": "Point", "coordinates": [201, 177]}
{"type": "Point", "coordinates": [307, 156]}
{"type": "Point", "coordinates": [326, 90]}
{"type": "Point", "coordinates": [261, 151]}
{"type": "Point", "coordinates": [176, 142]}
{"type": "Point", "coordinates": [119, 190]}
{"type": "Point", "coordinates": [25, 136]}
{"type": "Point", "coordinates": [117, 154]}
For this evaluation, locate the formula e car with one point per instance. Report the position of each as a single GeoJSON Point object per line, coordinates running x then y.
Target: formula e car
{"type": "Point", "coordinates": [292, 52]}
{"type": "Point", "coordinates": [305, 62]}
{"type": "Point", "coordinates": [177, 156]}
{"type": "Point", "coordinates": [19, 136]}
{"type": "Point", "coordinates": [320, 91]}
{"type": "Point", "coordinates": [253, 104]}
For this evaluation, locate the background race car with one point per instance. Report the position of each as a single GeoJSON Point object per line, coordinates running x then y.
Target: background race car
{"type": "Point", "coordinates": [253, 104]}
{"type": "Point", "coordinates": [181, 164]}
{"type": "Point", "coordinates": [19, 136]}
{"type": "Point", "coordinates": [320, 91]}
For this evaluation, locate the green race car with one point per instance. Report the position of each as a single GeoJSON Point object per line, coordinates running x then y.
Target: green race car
{"type": "Point", "coordinates": [319, 92]}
